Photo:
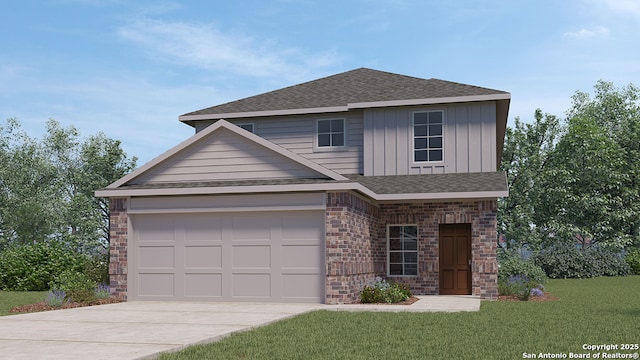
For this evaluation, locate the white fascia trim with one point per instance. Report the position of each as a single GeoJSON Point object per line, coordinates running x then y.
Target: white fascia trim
{"type": "Point", "coordinates": [443, 100]}
{"type": "Point", "coordinates": [233, 128]}
{"type": "Point", "coordinates": [227, 209]}
{"type": "Point", "coordinates": [227, 190]}
{"type": "Point", "coordinates": [443, 196]}
{"type": "Point", "coordinates": [236, 115]}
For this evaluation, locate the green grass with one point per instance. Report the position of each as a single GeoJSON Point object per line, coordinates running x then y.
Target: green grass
{"type": "Point", "coordinates": [11, 299]}
{"type": "Point", "coordinates": [590, 311]}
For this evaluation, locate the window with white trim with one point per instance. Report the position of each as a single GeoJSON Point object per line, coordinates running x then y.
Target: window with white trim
{"type": "Point", "coordinates": [427, 136]}
{"type": "Point", "coordinates": [402, 250]}
{"type": "Point", "coordinates": [330, 133]}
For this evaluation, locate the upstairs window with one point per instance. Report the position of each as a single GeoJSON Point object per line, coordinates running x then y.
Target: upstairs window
{"type": "Point", "coordinates": [330, 133]}
{"type": "Point", "coordinates": [427, 136]}
{"type": "Point", "coordinates": [247, 126]}
{"type": "Point", "coordinates": [402, 250]}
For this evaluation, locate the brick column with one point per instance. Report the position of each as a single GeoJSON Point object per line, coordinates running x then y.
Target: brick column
{"type": "Point", "coordinates": [118, 235]}
{"type": "Point", "coordinates": [484, 249]}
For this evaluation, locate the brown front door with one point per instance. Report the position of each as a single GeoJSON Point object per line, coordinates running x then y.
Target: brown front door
{"type": "Point", "coordinates": [455, 259]}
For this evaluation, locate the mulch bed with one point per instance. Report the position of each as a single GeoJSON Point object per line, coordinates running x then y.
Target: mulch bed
{"type": "Point", "coordinates": [42, 306]}
{"type": "Point", "coordinates": [409, 301]}
{"type": "Point", "coordinates": [547, 297]}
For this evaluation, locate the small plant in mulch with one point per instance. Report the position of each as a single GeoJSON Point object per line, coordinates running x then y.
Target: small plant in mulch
{"type": "Point", "coordinates": [521, 286]}
{"type": "Point", "coordinates": [72, 290]}
{"type": "Point", "coordinates": [55, 298]}
{"type": "Point", "coordinates": [102, 291]}
{"type": "Point", "coordinates": [382, 291]}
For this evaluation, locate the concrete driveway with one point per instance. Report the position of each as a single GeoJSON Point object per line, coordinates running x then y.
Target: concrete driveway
{"type": "Point", "coordinates": [134, 330]}
{"type": "Point", "coordinates": [131, 330]}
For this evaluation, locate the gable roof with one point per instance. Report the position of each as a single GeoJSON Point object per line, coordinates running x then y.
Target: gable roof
{"type": "Point", "coordinates": [359, 88]}
{"type": "Point", "coordinates": [147, 172]}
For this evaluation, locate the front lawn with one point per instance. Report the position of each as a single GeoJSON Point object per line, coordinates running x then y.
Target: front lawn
{"type": "Point", "coordinates": [591, 311]}
{"type": "Point", "coordinates": [11, 299]}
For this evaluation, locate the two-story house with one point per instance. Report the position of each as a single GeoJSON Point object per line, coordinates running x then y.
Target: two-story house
{"type": "Point", "coordinates": [303, 194]}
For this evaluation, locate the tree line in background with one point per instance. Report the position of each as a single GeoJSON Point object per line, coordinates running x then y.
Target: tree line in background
{"type": "Point", "coordinates": [573, 208]}
{"type": "Point", "coordinates": [50, 220]}
{"type": "Point", "coordinates": [574, 192]}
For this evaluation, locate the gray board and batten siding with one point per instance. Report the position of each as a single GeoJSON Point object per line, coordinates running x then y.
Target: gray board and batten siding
{"type": "Point", "coordinates": [380, 140]}
{"type": "Point", "coordinates": [296, 133]}
{"type": "Point", "coordinates": [469, 140]}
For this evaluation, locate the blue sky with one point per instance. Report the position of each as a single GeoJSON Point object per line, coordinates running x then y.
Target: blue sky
{"type": "Point", "coordinates": [129, 68]}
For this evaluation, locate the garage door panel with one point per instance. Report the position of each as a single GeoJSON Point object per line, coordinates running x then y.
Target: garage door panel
{"type": "Point", "coordinates": [153, 257]}
{"type": "Point", "coordinates": [203, 257]}
{"type": "Point", "coordinates": [252, 257]}
{"type": "Point", "coordinates": [156, 285]}
{"type": "Point", "coordinates": [252, 227]}
{"type": "Point", "coordinates": [301, 256]}
{"type": "Point", "coordinates": [302, 226]}
{"type": "Point", "coordinates": [203, 227]}
{"type": "Point", "coordinates": [160, 228]}
{"type": "Point", "coordinates": [203, 285]}
{"type": "Point", "coordinates": [302, 286]}
{"type": "Point", "coordinates": [251, 285]}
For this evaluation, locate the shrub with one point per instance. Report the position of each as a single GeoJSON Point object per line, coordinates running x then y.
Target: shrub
{"type": "Point", "coordinates": [102, 291]}
{"type": "Point", "coordinates": [565, 260]}
{"type": "Point", "coordinates": [521, 286]}
{"type": "Point", "coordinates": [514, 265]}
{"type": "Point", "coordinates": [97, 268]}
{"type": "Point", "coordinates": [55, 298]}
{"type": "Point", "coordinates": [77, 286]}
{"type": "Point", "coordinates": [32, 267]}
{"type": "Point", "coordinates": [633, 259]}
{"type": "Point", "coordinates": [381, 291]}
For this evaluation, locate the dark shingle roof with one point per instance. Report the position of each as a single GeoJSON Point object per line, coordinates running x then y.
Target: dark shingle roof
{"type": "Point", "coordinates": [355, 86]}
{"type": "Point", "coordinates": [434, 183]}
{"type": "Point", "coordinates": [395, 184]}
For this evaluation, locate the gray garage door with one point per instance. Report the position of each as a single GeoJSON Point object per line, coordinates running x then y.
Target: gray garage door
{"type": "Point", "coordinates": [257, 256]}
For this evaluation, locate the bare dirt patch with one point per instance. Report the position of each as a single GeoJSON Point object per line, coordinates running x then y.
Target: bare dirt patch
{"type": "Point", "coordinates": [42, 306]}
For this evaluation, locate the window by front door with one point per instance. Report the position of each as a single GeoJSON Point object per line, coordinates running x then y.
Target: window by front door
{"type": "Point", "coordinates": [427, 136]}
{"type": "Point", "coordinates": [402, 250]}
{"type": "Point", "coordinates": [330, 133]}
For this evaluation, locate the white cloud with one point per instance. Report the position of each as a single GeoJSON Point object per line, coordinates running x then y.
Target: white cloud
{"type": "Point", "coordinates": [629, 7]}
{"type": "Point", "coordinates": [205, 46]}
{"type": "Point", "coordinates": [587, 33]}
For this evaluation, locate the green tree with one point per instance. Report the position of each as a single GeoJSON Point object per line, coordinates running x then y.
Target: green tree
{"type": "Point", "coordinates": [583, 190]}
{"type": "Point", "coordinates": [616, 111]}
{"type": "Point", "coordinates": [47, 185]}
{"type": "Point", "coordinates": [28, 196]}
{"type": "Point", "coordinates": [525, 158]}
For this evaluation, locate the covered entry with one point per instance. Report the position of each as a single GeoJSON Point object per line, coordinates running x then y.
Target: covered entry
{"type": "Point", "coordinates": [455, 259]}
{"type": "Point", "coordinates": [227, 254]}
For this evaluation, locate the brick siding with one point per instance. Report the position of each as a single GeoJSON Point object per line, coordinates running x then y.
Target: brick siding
{"type": "Point", "coordinates": [354, 251]}
{"type": "Point", "coordinates": [356, 243]}
{"type": "Point", "coordinates": [118, 233]}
